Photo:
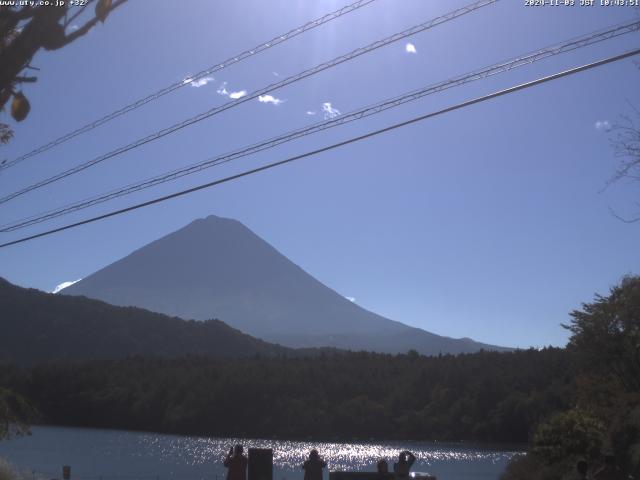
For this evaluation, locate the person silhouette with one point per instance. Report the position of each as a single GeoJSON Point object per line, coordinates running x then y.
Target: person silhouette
{"type": "Point", "coordinates": [313, 466]}
{"type": "Point", "coordinates": [405, 461]}
{"type": "Point", "coordinates": [383, 466]}
{"type": "Point", "coordinates": [236, 463]}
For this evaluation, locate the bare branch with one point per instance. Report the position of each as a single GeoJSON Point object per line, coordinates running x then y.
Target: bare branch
{"type": "Point", "coordinates": [626, 145]}
{"type": "Point", "coordinates": [623, 219]}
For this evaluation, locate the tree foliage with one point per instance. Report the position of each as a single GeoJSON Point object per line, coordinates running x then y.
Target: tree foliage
{"type": "Point", "coordinates": [569, 435]}
{"type": "Point", "coordinates": [15, 414]}
{"type": "Point", "coordinates": [604, 418]}
{"type": "Point", "coordinates": [26, 29]}
{"type": "Point", "coordinates": [606, 334]}
{"type": "Point", "coordinates": [486, 396]}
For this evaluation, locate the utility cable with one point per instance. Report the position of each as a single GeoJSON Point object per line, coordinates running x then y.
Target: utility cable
{"type": "Point", "coordinates": [505, 66]}
{"type": "Point", "coordinates": [192, 78]}
{"type": "Point", "coordinates": [255, 94]}
{"type": "Point", "coordinates": [269, 166]}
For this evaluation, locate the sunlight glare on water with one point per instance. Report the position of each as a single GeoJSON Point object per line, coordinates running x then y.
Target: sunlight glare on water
{"type": "Point", "coordinates": [289, 455]}
{"type": "Point", "coordinates": [123, 455]}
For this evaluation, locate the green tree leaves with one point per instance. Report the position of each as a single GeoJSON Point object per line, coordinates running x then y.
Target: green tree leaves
{"type": "Point", "coordinates": [605, 418]}
{"type": "Point", "coordinates": [606, 333]}
{"type": "Point", "coordinates": [570, 435]}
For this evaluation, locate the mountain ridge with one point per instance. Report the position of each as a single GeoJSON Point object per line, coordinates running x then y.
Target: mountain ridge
{"type": "Point", "coordinates": [42, 327]}
{"type": "Point", "coordinates": [217, 267]}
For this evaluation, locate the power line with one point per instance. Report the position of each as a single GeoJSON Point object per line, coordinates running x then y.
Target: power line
{"type": "Point", "coordinates": [395, 126]}
{"type": "Point", "coordinates": [508, 65]}
{"type": "Point", "coordinates": [255, 94]}
{"type": "Point", "coordinates": [202, 74]}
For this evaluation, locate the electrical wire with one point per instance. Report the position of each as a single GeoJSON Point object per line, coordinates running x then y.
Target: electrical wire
{"type": "Point", "coordinates": [395, 126]}
{"type": "Point", "coordinates": [505, 66]}
{"type": "Point", "coordinates": [192, 78]}
{"type": "Point", "coordinates": [255, 94]}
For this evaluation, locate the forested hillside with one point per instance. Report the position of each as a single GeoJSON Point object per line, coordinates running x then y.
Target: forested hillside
{"type": "Point", "coordinates": [485, 396]}
{"type": "Point", "coordinates": [41, 327]}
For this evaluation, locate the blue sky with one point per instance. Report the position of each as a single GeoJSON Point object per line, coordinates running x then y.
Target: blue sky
{"type": "Point", "coordinates": [489, 222]}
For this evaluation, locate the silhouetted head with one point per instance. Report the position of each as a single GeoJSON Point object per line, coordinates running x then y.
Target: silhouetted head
{"type": "Point", "coordinates": [383, 466]}
{"type": "Point", "coordinates": [238, 450]}
{"type": "Point", "coordinates": [313, 454]}
{"type": "Point", "coordinates": [582, 467]}
{"type": "Point", "coordinates": [402, 457]}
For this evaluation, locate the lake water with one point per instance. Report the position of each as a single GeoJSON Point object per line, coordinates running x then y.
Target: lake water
{"type": "Point", "coordinates": [124, 455]}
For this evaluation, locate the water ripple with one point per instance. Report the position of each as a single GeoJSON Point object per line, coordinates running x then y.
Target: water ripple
{"type": "Point", "coordinates": [122, 455]}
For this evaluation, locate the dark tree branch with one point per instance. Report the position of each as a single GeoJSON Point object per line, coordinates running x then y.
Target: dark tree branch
{"type": "Point", "coordinates": [626, 145]}
{"type": "Point", "coordinates": [17, 15]}
{"type": "Point", "coordinates": [26, 79]}
{"type": "Point", "coordinates": [78, 13]}
{"type": "Point", "coordinates": [44, 28]}
{"type": "Point", "coordinates": [623, 219]}
{"type": "Point", "coordinates": [88, 26]}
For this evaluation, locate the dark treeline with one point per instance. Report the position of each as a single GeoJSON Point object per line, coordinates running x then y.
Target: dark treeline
{"type": "Point", "coordinates": [37, 327]}
{"type": "Point", "coordinates": [487, 396]}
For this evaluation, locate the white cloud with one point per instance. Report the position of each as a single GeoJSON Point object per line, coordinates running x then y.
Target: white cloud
{"type": "Point", "coordinates": [603, 125]}
{"type": "Point", "coordinates": [269, 99]}
{"type": "Point", "coordinates": [236, 95]}
{"type": "Point", "coordinates": [74, 27]}
{"type": "Point", "coordinates": [64, 285]}
{"type": "Point", "coordinates": [311, 112]}
{"type": "Point", "coordinates": [351, 299]}
{"type": "Point", "coordinates": [222, 89]}
{"type": "Point", "coordinates": [275, 74]}
{"type": "Point", "coordinates": [410, 48]}
{"type": "Point", "coordinates": [329, 111]}
{"type": "Point", "coordinates": [201, 82]}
